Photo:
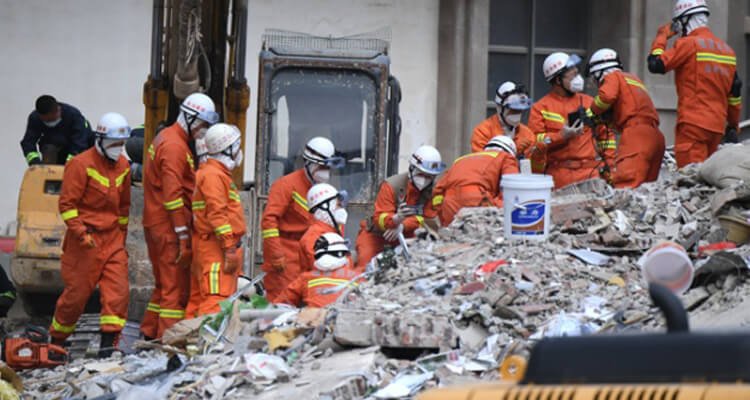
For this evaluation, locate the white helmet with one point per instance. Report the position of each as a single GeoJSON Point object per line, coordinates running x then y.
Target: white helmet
{"type": "Point", "coordinates": [331, 252]}
{"type": "Point", "coordinates": [602, 60]}
{"type": "Point", "coordinates": [113, 126]}
{"type": "Point", "coordinates": [427, 160]}
{"type": "Point", "coordinates": [684, 8]}
{"type": "Point", "coordinates": [502, 142]}
{"type": "Point", "coordinates": [557, 63]}
{"type": "Point", "coordinates": [320, 150]}
{"type": "Point", "coordinates": [513, 96]}
{"type": "Point", "coordinates": [319, 194]}
{"type": "Point", "coordinates": [199, 106]}
{"type": "Point", "coordinates": [220, 137]}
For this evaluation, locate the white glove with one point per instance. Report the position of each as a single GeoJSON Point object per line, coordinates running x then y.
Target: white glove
{"type": "Point", "coordinates": [571, 131]}
{"type": "Point", "coordinates": [403, 212]}
{"type": "Point", "coordinates": [391, 235]}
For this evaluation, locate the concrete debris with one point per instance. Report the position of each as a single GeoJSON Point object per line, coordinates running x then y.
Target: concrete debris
{"type": "Point", "coordinates": [463, 301]}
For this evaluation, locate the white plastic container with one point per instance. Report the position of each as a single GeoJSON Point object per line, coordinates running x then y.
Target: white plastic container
{"type": "Point", "coordinates": [526, 201]}
{"type": "Point", "coordinates": [668, 264]}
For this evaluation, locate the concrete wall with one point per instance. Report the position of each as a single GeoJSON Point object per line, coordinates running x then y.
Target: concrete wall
{"type": "Point", "coordinates": [94, 54]}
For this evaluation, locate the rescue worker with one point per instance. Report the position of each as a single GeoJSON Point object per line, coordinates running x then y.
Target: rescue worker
{"type": "Point", "coordinates": [55, 132]}
{"type": "Point", "coordinates": [218, 223]}
{"type": "Point", "coordinates": [332, 275]}
{"type": "Point", "coordinates": [511, 100]}
{"type": "Point", "coordinates": [95, 205]}
{"type": "Point", "coordinates": [624, 101]}
{"type": "Point", "coordinates": [169, 182]}
{"type": "Point", "coordinates": [287, 217]}
{"type": "Point", "coordinates": [708, 88]}
{"type": "Point", "coordinates": [7, 293]}
{"type": "Point", "coordinates": [403, 203]}
{"type": "Point", "coordinates": [573, 152]}
{"type": "Point", "coordinates": [326, 204]}
{"type": "Point", "coordinates": [474, 179]}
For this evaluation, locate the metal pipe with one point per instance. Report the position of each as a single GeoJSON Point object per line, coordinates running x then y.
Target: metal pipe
{"type": "Point", "coordinates": [240, 38]}
{"type": "Point", "coordinates": [157, 30]}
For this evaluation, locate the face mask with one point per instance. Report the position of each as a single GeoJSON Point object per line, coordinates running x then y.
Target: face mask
{"type": "Point", "coordinates": [323, 216]}
{"type": "Point", "coordinates": [328, 262]}
{"type": "Point", "coordinates": [421, 182]}
{"type": "Point", "coordinates": [238, 158]}
{"type": "Point", "coordinates": [576, 84]}
{"type": "Point", "coordinates": [52, 124]}
{"type": "Point", "coordinates": [513, 119]}
{"type": "Point", "coordinates": [340, 215]}
{"type": "Point", "coordinates": [321, 175]}
{"type": "Point", "coordinates": [113, 153]}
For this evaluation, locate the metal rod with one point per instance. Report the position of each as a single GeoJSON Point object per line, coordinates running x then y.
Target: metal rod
{"type": "Point", "coordinates": [157, 26]}
{"type": "Point", "coordinates": [240, 38]}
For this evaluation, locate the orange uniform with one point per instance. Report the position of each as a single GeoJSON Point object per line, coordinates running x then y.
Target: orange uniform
{"type": "Point", "coordinates": [169, 180]}
{"type": "Point", "coordinates": [285, 220]}
{"type": "Point", "coordinates": [317, 288]}
{"type": "Point", "coordinates": [472, 181]}
{"type": "Point", "coordinates": [574, 159]}
{"type": "Point", "coordinates": [492, 127]}
{"type": "Point", "coordinates": [370, 239]}
{"type": "Point", "coordinates": [708, 90]}
{"type": "Point", "coordinates": [641, 147]}
{"type": "Point", "coordinates": [94, 200]}
{"type": "Point", "coordinates": [307, 243]}
{"type": "Point", "coordinates": [218, 226]}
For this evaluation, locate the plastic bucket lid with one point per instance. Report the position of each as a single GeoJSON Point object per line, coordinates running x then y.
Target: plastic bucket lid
{"type": "Point", "coordinates": [527, 181]}
{"type": "Point", "coordinates": [668, 264]}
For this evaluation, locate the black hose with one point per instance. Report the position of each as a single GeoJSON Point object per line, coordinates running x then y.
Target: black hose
{"type": "Point", "coordinates": [671, 306]}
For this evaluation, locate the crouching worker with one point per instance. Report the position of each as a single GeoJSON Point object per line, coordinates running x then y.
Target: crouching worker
{"type": "Point", "coordinates": [332, 275]}
{"type": "Point", "coordinates": [95, 204]}
{"type": "Point", "coordinates": [327, 208]}
{"type": "Point", "coordinates": [218, 223]}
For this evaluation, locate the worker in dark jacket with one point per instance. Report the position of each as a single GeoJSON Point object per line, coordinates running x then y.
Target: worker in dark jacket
{"type": "Point", "coordinates": [55, 132]}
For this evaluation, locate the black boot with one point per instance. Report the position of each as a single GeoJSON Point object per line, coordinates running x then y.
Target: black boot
{"type": "Point", "coordinates": [107, 344]}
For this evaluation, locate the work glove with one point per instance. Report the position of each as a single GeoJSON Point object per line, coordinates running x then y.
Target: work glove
{"type": "Point", "coordinates": [391, 235]}
{"type": "Point", "coordinates": [666, 30]}
{"type": "Point", "coordinates": [232, 259]}
{"type": "Point", "coordinates": [184, 253]}
{"type": "Point", "coordinates": [569, 131]}
{"type": "Point", "coordinates": [88, 240]}
{"type": "Point", "coordinates": [523, 145]}
{"type": "Point", "coordinates": [278, 264]}
{"type": "Point", "coordinates": [730, 136]}
{"type": "Point", "coordinates": [404, 211]}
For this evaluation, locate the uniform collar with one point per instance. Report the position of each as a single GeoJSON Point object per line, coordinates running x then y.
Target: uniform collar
{"type": "Point", "coordinates": [217, 164]}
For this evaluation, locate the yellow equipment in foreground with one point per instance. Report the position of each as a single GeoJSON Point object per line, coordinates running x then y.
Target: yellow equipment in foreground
{"type": "Point", "coordinates": [35, 266]}
{"type": "Point", "coordinates": [678, 365]}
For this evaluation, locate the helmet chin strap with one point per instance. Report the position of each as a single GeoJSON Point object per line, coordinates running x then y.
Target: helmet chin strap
{"type": "Point", "coordinates": [307, 171]}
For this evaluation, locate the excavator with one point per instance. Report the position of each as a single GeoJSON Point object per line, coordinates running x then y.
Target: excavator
{"type": "Point", "coordinates": [307, 86]}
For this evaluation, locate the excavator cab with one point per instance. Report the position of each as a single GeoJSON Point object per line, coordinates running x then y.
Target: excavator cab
{"type": "Point", "coordinates": [338, 88]}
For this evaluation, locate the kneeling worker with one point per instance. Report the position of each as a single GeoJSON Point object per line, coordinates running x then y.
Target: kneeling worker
{"type": "Point", "coordinates": [329, 216]}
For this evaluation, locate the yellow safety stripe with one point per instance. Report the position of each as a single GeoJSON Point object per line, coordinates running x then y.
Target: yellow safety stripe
{"type": "Point", "coordinates": [190, 161]}
{"type": "Point", "coordinates": [223, 229]}
{"type": "Point", "coordinates": [234, 196]}
{"type": "Point", "coordinates": [540, 137]}
{"type": "Point", "coordinates": [300, 200]}
{"type": "Point", "coordinates": [123, 220]}
{"type": "Point", "coordinates": [608, 144]}
{"type": "Point", "coordinates": [153, 307]}
{"type": "Point", "coordinates": [9, 294]}
{"type": "Point", "coordinates": [66, 215]}
{"type": "Point", "coordinates": [735, 101]}
{"type": "Point", "coordinates": [95, 175]}
{"type": "Point", "coordinates": [381, 220]}
{"type": "Point", "coordinates": [657, 52]}
{"type": "Point", "coordinates": [492, 154]}
{"type": "Point", "coordinates": [549, 115]}
{"type": "Point", "coordinates": [633, 82]}
{"type": "Point", "coordinates": [199, 205]}
{"type": "Point", "coordinates": [437, 200]}
{"type": "Point", "coordinates": [172, 314]}
{"type": "Point", "coordinates": [329, 281]}
{"type": "Point", "coordinates": [151, 151]}
{"type": "Point", "coordinates": [717, 58]}
{"type": "Point", "coordinates": [62, 328]}
{"type": "Point", "coordinates": [111, 320]}
{"type": "Point", "coordinates": [213, 279]}
{"type": "Point", "coordinates": [601, 104]}
{"type": "Point", "coordinates": [174, 204]}
{"type": "Point", "coordinates": [32, 155]}
{"type": "Point", "coordinates": [270, 233]}
{"type": "Point", "coordinates": [121, 178]}
{"type": "Point", "coordinates": [420, 219]}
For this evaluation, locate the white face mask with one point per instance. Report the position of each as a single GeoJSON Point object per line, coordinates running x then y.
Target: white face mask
{"type": "Point", "coordinates": [576, 84]}
{"type": "Point", "coordinates": [340, 215]}
{"type": "Point", "coordinates": [52, 124]}
{"type": "Point", "coordinates": [421, 182]}
{"type": "Point", "coordinates": [113, 153]}
{"type": "Point", "coordinates": [238, 159]}
{"type": "Point", "coordinates": [513, 119]}
{"type": "Point", "coordinates": [328, 262]}
{"type": "Point", "coordinates": [321, 175]}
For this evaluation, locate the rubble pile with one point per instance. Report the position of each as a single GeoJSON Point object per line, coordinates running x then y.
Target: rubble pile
{"type": "Point", "coordinates": [449, 309]}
